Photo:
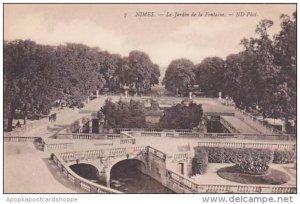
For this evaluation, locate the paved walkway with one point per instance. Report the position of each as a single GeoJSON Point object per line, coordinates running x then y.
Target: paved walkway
{"type": "Point", "coordinates": [27, 170]}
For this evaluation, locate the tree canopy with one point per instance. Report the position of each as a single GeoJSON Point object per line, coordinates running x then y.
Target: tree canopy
{"type": "Point", "coordinates": [182, 116]}
{"type": "Point", "coordinates": [179, 76]}
{"type": "Point", "coordinates": [35, 76]}
{"type": "Point", "coordinates": [262, 75]}
{"type": "Point", "coordinates": [210, 69]}
{"type": "Point", "coordinates": [124, 114]}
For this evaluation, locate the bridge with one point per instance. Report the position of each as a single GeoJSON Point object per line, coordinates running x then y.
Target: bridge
{"type": "Point", "coordinates": [153, 163]}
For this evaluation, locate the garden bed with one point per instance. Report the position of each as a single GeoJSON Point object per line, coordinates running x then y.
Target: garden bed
{"type": "Point", "coordinates": [272, 177]}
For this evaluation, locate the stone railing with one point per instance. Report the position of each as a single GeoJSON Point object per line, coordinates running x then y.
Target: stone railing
{"type": "Point", "coordinates": [227, 125]}
{"type": "Point", "coordinates": [57, 146]}
{"type": "Point", "coordinates": [181, 157]}
{"type": "Point", "coordinates": [94, 154]}
{"type": "Point", "coordinates": [156, 134]}
{"type": "Point", "coordinates": [82, 183]}
{"type": "Point", "coordinates": [248, 136]}
{"type": "Point", "coordinates": [182, 184]}
{"type": "Point", "coordinates": [21, 139]}
{"type": "Point", "coordinates": [111, 139]}
{"type": "Point", "coordinates": [252, 118]}
{"type": "Point", "coordinates": [156, 153]}
{"type": "Point", "coordinates": [87, 136]}
{"type": "Point", "coordinates": [151, 130]}
{"type": "Point", "coordinates": [289, 147]}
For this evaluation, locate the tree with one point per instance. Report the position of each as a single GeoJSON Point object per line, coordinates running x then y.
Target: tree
{"type": "Point", "coordinates": [77, 72]}
{"type": "Point", "coordinates": [141, 73]}
{"type": "Point", "coordinates": [27, 81]}
{"type": "Point", "coordinates": [210, 75]}
{"type": "Point", "coordinates": [179, 76]}
{"type": "Point", "coordinates": [182, 116]}
{"type": "Point", "coordinates": [123, 114]}
{"type": "Point", "coordinates": [285, 57]}
{"type": "Point", "coordinates": [110, 68]}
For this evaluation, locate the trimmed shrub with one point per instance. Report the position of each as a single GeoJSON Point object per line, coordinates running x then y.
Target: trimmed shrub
{"type": "Point", "coordinates": [215, 155]}
{"type": "Point", "coordinates": [254, 161]}
{"type": "Point", "coordinates": [199, 162]}
{"type": "Point", "coordinates": [284, 157]}
{"type": "Point", "coordinates": [247, 160]}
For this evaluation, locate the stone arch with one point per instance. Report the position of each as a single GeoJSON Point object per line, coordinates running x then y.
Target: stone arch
{"type": "Point", "coordinates": [129, 160]}
{"type": "Point", "coordinates": [123, 167]}
{"type": "Point", "coordinates": [86, 170]}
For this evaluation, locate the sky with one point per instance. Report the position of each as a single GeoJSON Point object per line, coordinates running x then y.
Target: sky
{"type": "Point", "coordinates": [117, 28]}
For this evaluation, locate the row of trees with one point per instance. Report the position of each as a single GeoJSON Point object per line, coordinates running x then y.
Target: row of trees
{"type": "Point", "coordinates": [37, 75]}
{"type": "Point", "coordinates": [264, 74]}
{"type": "Point", "coordinates": [131, 114]}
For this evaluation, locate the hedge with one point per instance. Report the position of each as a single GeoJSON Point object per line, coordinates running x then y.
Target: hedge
{"type": "Point", "coordinates": [247, 160]}
{"type": "Point", "coordinates": [284, 157]}
{"type": "Point", "coordinates": [229, 155]}
{"type": "Point", "coordinates": [199, 162]}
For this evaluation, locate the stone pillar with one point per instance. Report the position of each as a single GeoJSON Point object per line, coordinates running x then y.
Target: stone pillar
{"type": "Point", "coordinates": [88, 100]}
{"type": "Point", "coordinates": [190, 94]}
{"type": "Point", "coordinates": [107, 178]}
{"type": "Point", "coordinates": [220, 95]}
{"type": "Point", "coordinates": [126, 94]}
{"type": "Point", "coordinates": [189, 171]}
{"type": "Point", "coordinates": [80, 126]}
{"type": "Point", "coordinates": [90, 126]}
{"type": "Point", "coordinates": [283, 125]}
{"type": "Point", "coordinates": [97, 93]}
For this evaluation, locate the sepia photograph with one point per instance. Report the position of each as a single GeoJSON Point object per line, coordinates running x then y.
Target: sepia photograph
{"type": "Point", "coordinates": [150, 98]}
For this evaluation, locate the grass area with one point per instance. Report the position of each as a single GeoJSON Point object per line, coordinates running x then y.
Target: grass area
{"type": "Point", "coordinates": [273, 177]}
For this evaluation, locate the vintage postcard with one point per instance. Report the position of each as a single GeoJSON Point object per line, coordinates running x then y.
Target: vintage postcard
{"type": "Point", "coordinates": [150, 99]}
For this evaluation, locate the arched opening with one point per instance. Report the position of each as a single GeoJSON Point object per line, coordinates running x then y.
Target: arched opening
{"type": "Point", "coordinates": [86, 171]}
{"type": "Point", "coordinates": [127, 176]}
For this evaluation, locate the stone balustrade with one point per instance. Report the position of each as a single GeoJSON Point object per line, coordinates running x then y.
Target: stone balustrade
{"type": "Point", "coordinates": [87, 136]}
{"type": "Point", "coordinates": [156, 134]}
{"type": "Point", "coordinates": [249, 136]}
{"type": "Point", "coordinates": [93, 154]}
{"type": "Point", "coordinates": [182, 184]}
{"type": "Point", "coordinates": [110, 139]}
{"type": "Point", "coordinates": [57, 146]}
{"type": "Point", "coordinates": [289, 147]}
{"type": "Point", "coordinates": [84, 184]}
{"type": "Point", "coordinates": [21, 139]}
{"type": "Point", "coordinates": [156, 153]}
{"type": "Point", "coordinates": [259, 122]}
{"type": "Point", "coordinates": [228, 126]}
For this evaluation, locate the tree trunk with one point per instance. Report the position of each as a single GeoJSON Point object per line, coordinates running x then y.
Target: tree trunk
{"type": "Point", "coordinates": [11, 117]}
{"type": "Point", "coordinates": [284, 125]}
{"type": "Point", "coordinates": [25, 114]}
